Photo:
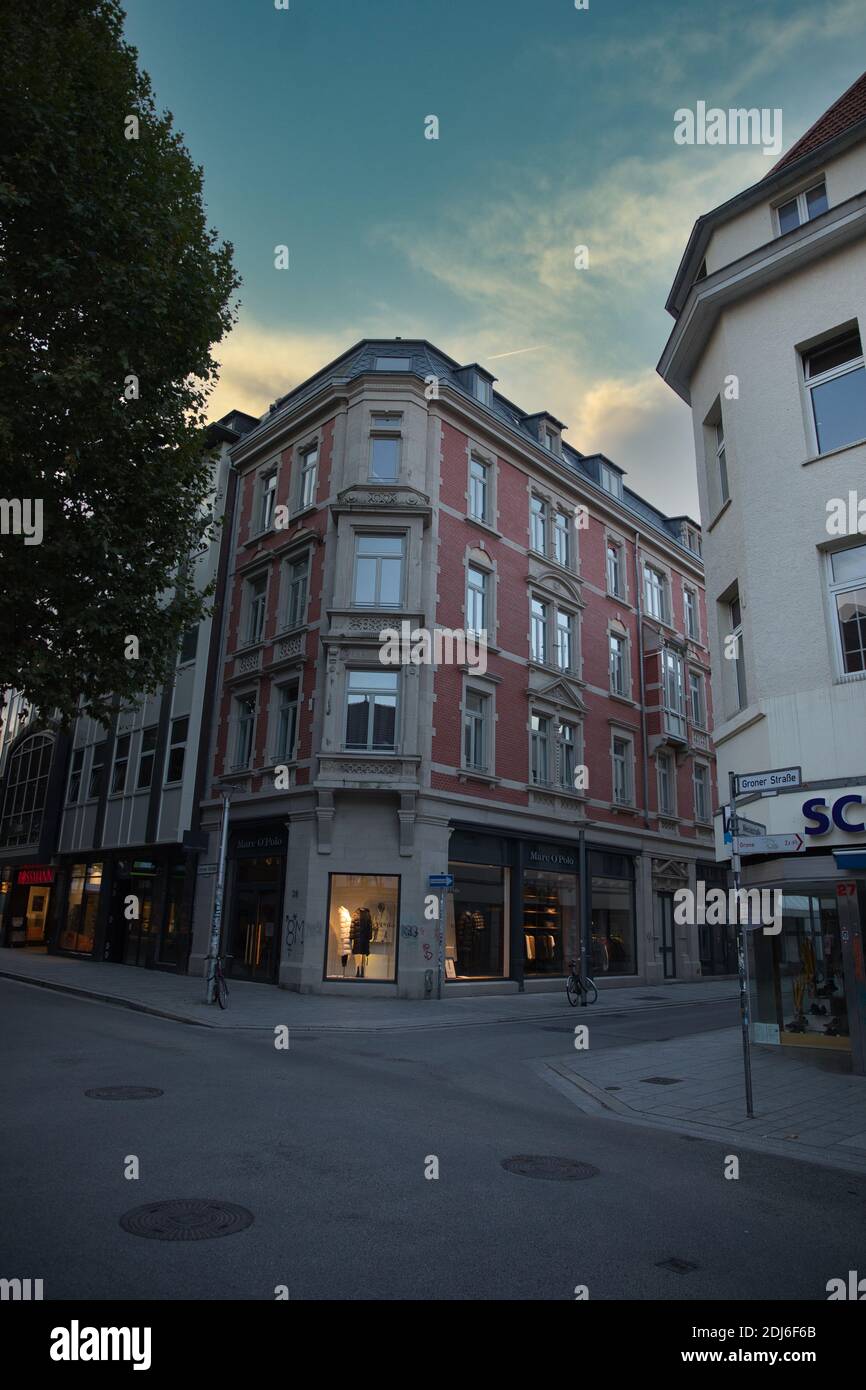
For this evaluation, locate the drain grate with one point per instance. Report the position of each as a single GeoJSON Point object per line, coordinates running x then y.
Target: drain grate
{"type": "Point", "coordinates": [550, 1169]}
{"type": "Point", "coordinates": [675, 1263]}
{"type": "Point", "coordinates": [187, 1219]}
{"type": "Point", "coordinates": [661, 1080]}
{"type": "Point", "coordinates": [123, 1093]}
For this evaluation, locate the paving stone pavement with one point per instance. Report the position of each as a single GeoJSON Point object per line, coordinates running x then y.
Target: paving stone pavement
{"type": "Point", "coordinates": [263, 1006]}
{"type": "Point", "coordinates": [806, 1105]}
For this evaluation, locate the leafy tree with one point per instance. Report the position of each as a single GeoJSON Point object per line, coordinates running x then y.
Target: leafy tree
{"type": "Point", "coordinates": [113, 291]}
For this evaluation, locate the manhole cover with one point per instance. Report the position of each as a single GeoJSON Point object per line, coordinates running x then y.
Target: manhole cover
{"type": "Point", "coordinates": [188, 1219]}
{"type": "Point", "coordinates": [123, 1093]}
{"type": "Point", "coordinates": [661, 1080]}
{"type": "Point", "coordinates": [678, 1265]}
{"type": "Point", "coordinates": [553, 1169]}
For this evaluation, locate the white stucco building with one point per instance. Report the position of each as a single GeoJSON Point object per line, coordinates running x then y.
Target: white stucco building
{"type": "Point", "coordinates": [769, 303]}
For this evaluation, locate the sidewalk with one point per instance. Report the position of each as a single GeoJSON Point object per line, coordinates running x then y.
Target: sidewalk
{"type": "Point", "coordinates": [254, 1006]}
{"type": "Point", "coordinates": [805, 1104]}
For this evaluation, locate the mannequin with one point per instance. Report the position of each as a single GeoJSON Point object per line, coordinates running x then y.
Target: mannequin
{"type": "Point", "coordinates": [361, 931]}
{"type": "Point", "coordinates": [345, 920]}
{"type": "Point", "coordinates": [382, 925]}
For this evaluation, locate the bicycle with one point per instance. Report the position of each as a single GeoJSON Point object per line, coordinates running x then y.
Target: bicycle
{"type": "Point", "coordinates": [577, 985]}
{"type": "Point", "coordinates": [221, 987]}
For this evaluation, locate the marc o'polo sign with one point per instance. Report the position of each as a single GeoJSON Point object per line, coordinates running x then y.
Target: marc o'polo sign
{"type": "Point", "coordinates": [779, 779]}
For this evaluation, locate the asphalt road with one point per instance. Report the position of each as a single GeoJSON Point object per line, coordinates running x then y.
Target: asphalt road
{"type": "Point", "coordinates": [327, 1145]}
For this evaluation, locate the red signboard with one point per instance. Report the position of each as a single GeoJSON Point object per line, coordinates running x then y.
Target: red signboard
{"type": "Point", "coordinates": [35, 873]}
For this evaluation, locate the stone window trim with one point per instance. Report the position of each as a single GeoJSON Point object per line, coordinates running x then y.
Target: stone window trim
{"type": "Point", "coordinates": [288, 559]}
{"type": "Point", "coordinates": [613, 538]}
{"type": "Point", "coordinates": [357, 663]}
{"type": "Point", "coordinates": [259, 477]}
{"type": "Point", "coordinates": [250, 579]}
{"type": "Point", "coordinates": [650, 561]}
{"type": "Point", "coordinates": [476, 557]}
{"type": "Point", "coordinates": [671, 812]}
{"type": "Point", "coordinates": [384, 422]}
{"type": "Point", "coordinates": [278, 685]}
{"type": "Point", "coordinates": [481, 685]}
{"type": "Point", "coordinates": [489, 459]}
{"type": "Point", "coordinates": [373, 528]}
{"type": "Point", "coordinates": [244, 692]}
{"type": "Point", "coordinates": [554, 604]}
{"type": "Point", "coordinates": [553, 502]}
{"type": "Point", "coordinates": [626, 734]}
{"type": "Point", "coordinates": [618, 629]}
{"type": "Point", "coordinates": [706, 820]}
{"type": "Point", "coordinates": [698, 635]}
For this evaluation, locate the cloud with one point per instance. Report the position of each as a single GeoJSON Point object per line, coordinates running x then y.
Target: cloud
{"type": "Point", "coordinates": [258, 364]}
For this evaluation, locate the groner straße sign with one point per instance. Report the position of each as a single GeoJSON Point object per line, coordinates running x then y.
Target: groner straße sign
{"type": "Point", "coordinates": [776, 780]}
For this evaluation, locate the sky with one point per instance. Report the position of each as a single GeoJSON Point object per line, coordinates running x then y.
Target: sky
{"type": "Point", "coordinates": [555, 131]}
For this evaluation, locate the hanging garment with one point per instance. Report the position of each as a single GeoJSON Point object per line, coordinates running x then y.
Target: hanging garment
{"type": "Point", "coordinates": [361, 931]}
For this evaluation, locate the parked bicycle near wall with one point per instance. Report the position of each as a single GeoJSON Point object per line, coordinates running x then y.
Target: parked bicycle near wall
{"type": "Point", "coordinates": [579, 987]}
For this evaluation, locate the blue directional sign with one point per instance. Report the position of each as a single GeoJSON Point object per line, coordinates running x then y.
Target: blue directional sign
{"type": "Point", "coordinates": [441, 880]}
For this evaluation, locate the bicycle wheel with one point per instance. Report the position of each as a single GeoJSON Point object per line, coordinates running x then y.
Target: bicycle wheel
{"type": "Point", "coordinates": [222, 991]}
{"type": "Point", "coordinates": [591, 990]}
{"type": "Point", "coordinates": [572, 991]}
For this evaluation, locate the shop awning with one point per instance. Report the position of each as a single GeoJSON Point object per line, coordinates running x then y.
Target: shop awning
{"type": "Point", "coordinates": [850, 858]}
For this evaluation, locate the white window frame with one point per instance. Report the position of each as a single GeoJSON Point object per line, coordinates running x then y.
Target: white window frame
{"type": "Point", "coordinates": [564, 623]}
{"type": "Point", "coordinates": [287, 752]}
{"type": "Point", "coordinates": [369, 746]}
{"type": "Point", "coordinates": [300, 583]}
{"type": "Point", "coordinates": [674, 692]}
{"type": "Point", "coordinates": [612, 639]}
{"type": "Point", "coordinates": [539, 519]}
{"type": "Point", "coordinates": [626, 761]}
{"type": "Point", "coordinates": [617, 548]}
{"type": "Point", "coordinates": [540, 743]}
{"type": "Point", "coordinates": [697, 684]}
{"type": "Point", "coordinates": [803, 213]}
{"type": "Point", "coordinates": [811, 383]}
{"type": "Point", "coordinates": [667, 807]}
{"type": "Point", "coordinates": [662, 588]}
{"type": "Point", "coordinates": [611, 481]}
{"type": "Point", "coordinates": [837, 587]}
{"type": "Point", "coordinates": [706, 786]}
{"type": "Point", "coordinates": [267, 500]}
{"type": "Point", "coordinates": [482, 486]}
{"type": "Point", "coordinates": [242, 723]}
{"type": "Point", "coordinates": [692, 630]}
{"type": "Point", "coordinates": [476, 729]}
{"type": "Point", "coordinates": [256, 610]}
{"type": "Point", "coordinates": [562, 540]}
{"type": "Point", "coordinates": [473, 591]}
{"type": "Point", "coordinates": [385, 424]}
{"type": "Point", "coordinates": [308, 476]}
{"type": "Point", "coordinates": [538, 625]}
{"type": "Point", "coordinates": [377, 602]}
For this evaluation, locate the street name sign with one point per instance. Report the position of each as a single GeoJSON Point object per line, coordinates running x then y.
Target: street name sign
{"type": "Point", "coordinates": [770, 844]}
{"type": "Point", "coordinates": [776, 780]}
{"type": "Point", "coordinates": [746, 826]}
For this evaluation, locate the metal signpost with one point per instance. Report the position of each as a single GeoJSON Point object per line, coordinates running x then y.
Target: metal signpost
{"type": "Point", "coordinates": [742, 953]}
{"type": "Point", "coordinates": [441, 882]}
{"type": "Point", "coordinates": [216, 920]}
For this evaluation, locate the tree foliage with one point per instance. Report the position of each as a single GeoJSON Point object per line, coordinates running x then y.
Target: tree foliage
{"type": "Point", "coordinates": [108, 273]}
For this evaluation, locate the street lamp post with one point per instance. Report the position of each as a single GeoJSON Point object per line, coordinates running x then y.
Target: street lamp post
{"type": "Point", "coordinates": [216, 920]}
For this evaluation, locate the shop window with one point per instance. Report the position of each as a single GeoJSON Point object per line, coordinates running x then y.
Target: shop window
{"type": "Point", "coordinates": [613, 936]}
{"type": "Point", "coordinates": [549, 921]}
{"type": "Point", "coordinates": [177, 749]}
{"type": "Point", "coordinates": [371, 710]}
{"type": "Point", "coordinates": [476, 914]}
{"type": "Point", "coordinates": [363, 926]}
{"type": "Point", "coordinates": [798, 982]}
{"type": "Point", "coordinates": [174, 932]}
{"type": "Point", "coordinates": [79, 930]}
{"type": "Point", "coordinates": [146, 757]}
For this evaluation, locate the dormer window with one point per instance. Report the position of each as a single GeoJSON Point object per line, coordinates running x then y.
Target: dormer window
{"type": "Point", "coordinates": [393, 364]}
{"type": "Point", "coordinates": [691, 539]}
{"type": "Point", "coordinates": [551, 441]}
{"type": "Point", "coordinates": [481, 389]}
{"type": "Point", "coordinates": [806, 205]}
{"type": "Point", "coordinates": [611, 481]}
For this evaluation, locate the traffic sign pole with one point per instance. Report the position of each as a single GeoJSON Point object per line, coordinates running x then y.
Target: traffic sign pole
{"type": "Point", "coordinates": [742, 952]}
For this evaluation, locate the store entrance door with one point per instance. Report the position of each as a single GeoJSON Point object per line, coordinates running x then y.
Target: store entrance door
{"type": "Point", "coordinates": [668, 940]}
{"type": "Point", "coordinates": [254, 941]}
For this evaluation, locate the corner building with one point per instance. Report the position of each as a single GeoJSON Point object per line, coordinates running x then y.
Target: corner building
{"type": "Point", "coordinates": [769, 308]}
{"type": "Point", "coordinates": [396, 485]}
